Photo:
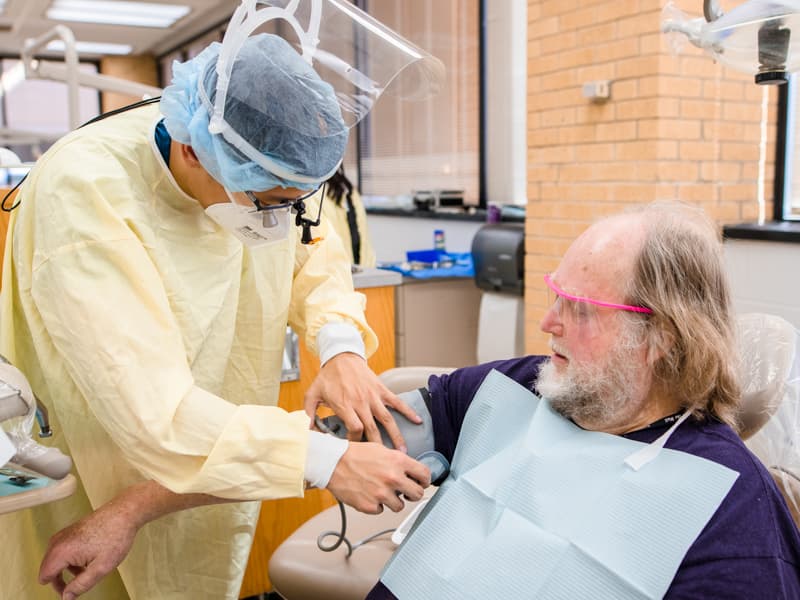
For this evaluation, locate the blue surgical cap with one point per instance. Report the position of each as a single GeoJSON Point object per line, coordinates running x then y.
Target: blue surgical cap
{"type": "Point", "coordinates": [277, 109]}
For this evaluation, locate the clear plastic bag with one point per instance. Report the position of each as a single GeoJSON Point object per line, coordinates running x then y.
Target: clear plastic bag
{"type": "Point", "coordinates": [771, 399]}
{"type": "Point", "coordinates": [17, 415]}
{"type": "Point", "coordinates": [16, 396]}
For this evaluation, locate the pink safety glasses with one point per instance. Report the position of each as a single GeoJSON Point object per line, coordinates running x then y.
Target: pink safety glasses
{"type": "Point", "coordinates": [563, 294]}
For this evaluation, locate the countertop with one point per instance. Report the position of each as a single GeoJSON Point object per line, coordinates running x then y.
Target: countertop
{"type": "Point", "coordinates": [367, 277]}
{"type": "Point", "coordinates": [771, 231]}
{"type": "Point", "coordinates": [477, 215]}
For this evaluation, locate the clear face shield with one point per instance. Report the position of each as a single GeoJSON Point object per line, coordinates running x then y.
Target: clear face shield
{"type": "Point", "coordinates": [580, 313]}
{"type": "Point", "coordinates": [357, 56]}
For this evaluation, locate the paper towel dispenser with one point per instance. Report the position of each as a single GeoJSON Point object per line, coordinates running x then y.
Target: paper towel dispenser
{"type": "Point", "coordinates": [498, 253]}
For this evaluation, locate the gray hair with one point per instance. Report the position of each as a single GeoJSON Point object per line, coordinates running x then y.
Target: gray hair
{"type": "Point", "coordinates": [680, 274]}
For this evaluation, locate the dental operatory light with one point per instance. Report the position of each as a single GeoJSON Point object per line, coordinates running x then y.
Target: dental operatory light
{"type": "Point", "coordinates": [758, 37]}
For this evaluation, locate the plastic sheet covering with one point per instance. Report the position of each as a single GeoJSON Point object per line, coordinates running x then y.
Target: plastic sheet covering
{"type": "Point", "coordinates": [19, 427]}
{"type": "Point", "coordinates": [755, 37]}
{"type": "Point", "coordinates": [771, 399]}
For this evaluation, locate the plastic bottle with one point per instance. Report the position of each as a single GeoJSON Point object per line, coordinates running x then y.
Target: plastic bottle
{"type": "Point", "coordinates": [493, 213]}
{"type": "Point", "coordinates": [438, 239]}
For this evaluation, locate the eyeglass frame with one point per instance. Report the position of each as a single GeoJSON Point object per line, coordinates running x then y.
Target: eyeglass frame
{"type": "Point", "coordinates": [299, 206]}
{"type": "Point", "coordinates": [287, 203]}
{"type": "Point", "coordinates": [559, 292]}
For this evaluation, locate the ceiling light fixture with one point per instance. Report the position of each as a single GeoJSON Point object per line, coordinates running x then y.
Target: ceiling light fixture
{"type": "Point", "coordinates": [92, 47]}
{"type": "Point", "coordinates": [135, 14]}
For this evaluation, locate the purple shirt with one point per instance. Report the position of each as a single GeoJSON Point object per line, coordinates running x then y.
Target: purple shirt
{"type": "Point", "coordinates": [749, 549]}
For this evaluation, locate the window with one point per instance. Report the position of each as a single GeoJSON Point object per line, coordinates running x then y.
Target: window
{"type": "Point", "coordinates": [433, 144]}
{"type": "Point", "coordinates": [787, 171]}
{"type": "Point", "coordinates": [34, 113]}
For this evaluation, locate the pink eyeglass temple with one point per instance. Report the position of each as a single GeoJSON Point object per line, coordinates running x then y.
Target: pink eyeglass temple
{"type": "Point", "coordinates": [560, 292]}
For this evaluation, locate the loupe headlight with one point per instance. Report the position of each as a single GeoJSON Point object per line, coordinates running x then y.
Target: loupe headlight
{"type": "Point", "coordinates": [298, 205]}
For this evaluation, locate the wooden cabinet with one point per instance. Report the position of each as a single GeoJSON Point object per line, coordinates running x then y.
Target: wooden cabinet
{"type": "Point", "coordinates": [280, 518]}
{"type": "Point", "coordinates": [4, 220]}
{"type": "Point", "coordinates": [437, 322]}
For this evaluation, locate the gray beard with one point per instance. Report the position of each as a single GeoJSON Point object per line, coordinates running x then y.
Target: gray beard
{"type": "Point", "coordinates": [595, 396]}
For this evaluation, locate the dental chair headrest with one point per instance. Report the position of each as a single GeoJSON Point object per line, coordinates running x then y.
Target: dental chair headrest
{"type": "Point", "coordinates": [767, 350]}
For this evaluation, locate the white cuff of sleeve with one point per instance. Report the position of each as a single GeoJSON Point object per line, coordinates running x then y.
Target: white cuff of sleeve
{"type": "Point", "coordinates": [335, 338]}
{"type": "Point", "coordinates": [324, 452]}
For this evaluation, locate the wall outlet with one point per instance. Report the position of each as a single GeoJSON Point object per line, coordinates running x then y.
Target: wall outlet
{"type": "Point", "coordinates": [597, 91]}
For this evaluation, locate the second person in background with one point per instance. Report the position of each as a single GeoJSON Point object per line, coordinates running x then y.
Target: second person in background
{"type": "Point", "coordinates": [345, 213]}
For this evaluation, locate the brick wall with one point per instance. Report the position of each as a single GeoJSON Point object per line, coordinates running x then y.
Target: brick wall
{"type": "Point", "coordinates": [676, 127]}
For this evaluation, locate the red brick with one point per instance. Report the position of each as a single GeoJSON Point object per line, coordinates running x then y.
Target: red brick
{"type": "Point", "coordinates": [595, 152]}
{"type": "Point", "coordinates": [647, 150]}
{"type": "Point", "coordinates": [597, 34]}
{"type": "Point", "coordinates": [698, 192]}
{"type": "Point", "coordinates": [557, 43]}
{"type": "Point", "coordinates": [580, 19]}
{"type": "Point", "coordinates": [543, 27]}
{"type": "Point", "coordinates": [639, 24]}
{"type": "Point", "coordinates": [698, 150]}
{"type": "Point", "coordinates": [620, 131]}
{"type": "Point", "coordinates": [720, 172]}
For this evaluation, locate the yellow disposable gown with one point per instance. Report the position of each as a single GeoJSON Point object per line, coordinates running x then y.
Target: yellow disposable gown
{"type": "Point", "coordinates": [336, 217]}
{"type": "Point", "coordinates": [155, 339]}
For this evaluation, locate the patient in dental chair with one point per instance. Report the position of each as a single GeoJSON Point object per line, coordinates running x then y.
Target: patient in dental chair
{"type": "Point", "coordinates": [627, 479]}
{"type": "Point", "coordinates": [641, 335]}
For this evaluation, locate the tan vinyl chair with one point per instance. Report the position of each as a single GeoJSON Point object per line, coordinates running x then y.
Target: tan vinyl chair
{"type": "Point", "coordinates": [770, 424]}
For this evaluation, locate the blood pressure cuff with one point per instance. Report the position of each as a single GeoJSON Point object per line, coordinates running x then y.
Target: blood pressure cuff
{"type": "Point", "coordinates": [419, 438]}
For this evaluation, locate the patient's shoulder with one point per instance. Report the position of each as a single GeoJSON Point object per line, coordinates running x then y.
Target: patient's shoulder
{"type": "Point", "coordinates": [719, 443]}
{"type": "Point", "coordinates": [452, 394]}
{"type": "Point", "coordinates": [467, 380]}
{"type": "Point", "coordinates": [750, 547]}
{"type": "Point", "coordinates": [754, 492]}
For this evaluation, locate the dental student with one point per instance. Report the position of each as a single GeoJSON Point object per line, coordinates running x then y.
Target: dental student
{"type": "Point", "coordinates": [151, 268]}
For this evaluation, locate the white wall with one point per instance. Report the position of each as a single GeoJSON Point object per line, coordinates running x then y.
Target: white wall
{"type": "Point", "coordinates": [392, 236]}
{"type": "Point", "coordinates": [506, 101]}
{"type": "Point", "coordinates": [764, 277]}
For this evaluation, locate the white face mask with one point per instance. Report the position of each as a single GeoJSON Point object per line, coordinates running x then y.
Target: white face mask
{"type": "Point", "coordinates": [252, 227]}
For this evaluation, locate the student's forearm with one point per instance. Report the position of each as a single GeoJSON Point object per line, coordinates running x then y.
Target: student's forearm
{"type": "Point", "coordinates": [147, 501]}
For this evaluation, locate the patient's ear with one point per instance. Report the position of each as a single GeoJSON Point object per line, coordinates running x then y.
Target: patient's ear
{"type": "Point", "coordinates": [188, 155]}
{"type": "Point", "coordinates": [659, 344]}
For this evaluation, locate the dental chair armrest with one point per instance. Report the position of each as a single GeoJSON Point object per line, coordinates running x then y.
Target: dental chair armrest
{"type": "Point", "coordinates": [404, 379]}
{"type": "Point", "coordinates": [52, 491]}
